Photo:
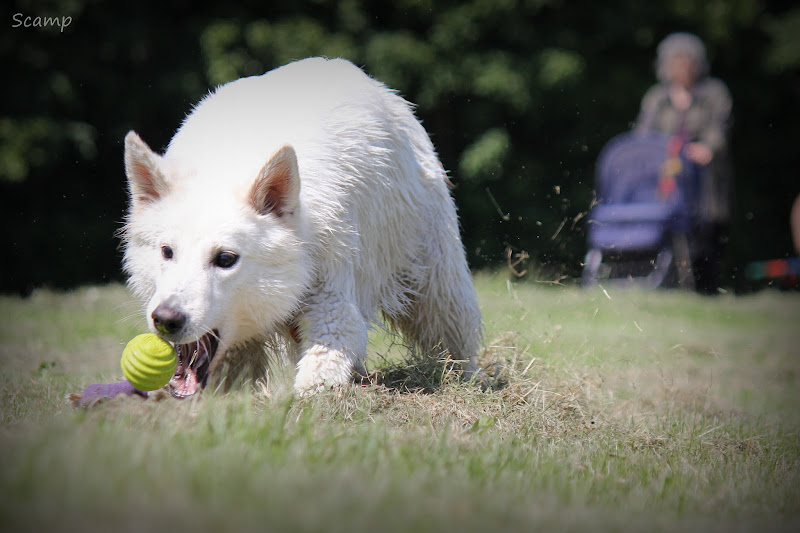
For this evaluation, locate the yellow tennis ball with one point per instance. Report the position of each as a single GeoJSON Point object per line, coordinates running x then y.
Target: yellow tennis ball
{"type": "Point", "coordinates": [148, 362]}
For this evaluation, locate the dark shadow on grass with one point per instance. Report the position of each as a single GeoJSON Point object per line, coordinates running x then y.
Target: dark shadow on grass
{"type": "Point", "coordinates": [418, 373]}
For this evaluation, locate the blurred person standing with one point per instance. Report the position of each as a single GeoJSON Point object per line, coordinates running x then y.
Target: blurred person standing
{"type": "Point", "coordinates": [688, 103]}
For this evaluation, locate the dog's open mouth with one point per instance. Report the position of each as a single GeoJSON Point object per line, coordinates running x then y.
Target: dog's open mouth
{"type": "Point", "coordinates": [194, 359]}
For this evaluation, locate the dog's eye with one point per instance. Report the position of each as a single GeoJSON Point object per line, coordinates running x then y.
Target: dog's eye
{"type": "Point", "coordinates": [166, 252]}
{"type": "Point", "coordinates": [225, 259]}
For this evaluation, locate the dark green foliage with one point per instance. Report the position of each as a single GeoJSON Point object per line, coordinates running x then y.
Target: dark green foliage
{"type": "Point", "coordinates": [518, 95]}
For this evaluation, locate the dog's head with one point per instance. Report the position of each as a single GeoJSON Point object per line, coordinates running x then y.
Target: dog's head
{"type": "Point", "coordinates": [216, 266]}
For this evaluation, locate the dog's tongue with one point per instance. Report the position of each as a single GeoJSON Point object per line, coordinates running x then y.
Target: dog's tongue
{"type": "Point", "coordinates": [183, 383]}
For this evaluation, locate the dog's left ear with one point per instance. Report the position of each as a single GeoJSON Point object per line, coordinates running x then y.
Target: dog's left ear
{"type": "Point", "coordinates": [277, 187]}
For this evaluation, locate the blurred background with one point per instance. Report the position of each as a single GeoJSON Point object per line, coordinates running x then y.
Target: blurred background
{"type": "Point", "coordinates": [519, 96]}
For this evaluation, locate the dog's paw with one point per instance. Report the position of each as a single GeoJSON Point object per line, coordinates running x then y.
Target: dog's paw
{"type": "Point", "coordinates": [321, 368]}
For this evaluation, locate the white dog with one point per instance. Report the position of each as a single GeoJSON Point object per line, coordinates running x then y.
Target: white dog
{"type": "Point", "coordinates": [300, 203]}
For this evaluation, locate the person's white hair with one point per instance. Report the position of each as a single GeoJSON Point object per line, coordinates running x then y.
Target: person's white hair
{"type": "Point", "coordinates": [681, 43]}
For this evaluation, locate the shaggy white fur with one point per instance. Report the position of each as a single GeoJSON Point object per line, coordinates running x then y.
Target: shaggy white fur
{"type": "Point", "coordinates": [325, 192]}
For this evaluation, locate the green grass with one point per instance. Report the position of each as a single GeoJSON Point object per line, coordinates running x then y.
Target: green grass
{"type": "Point", "coordinates": [609, 411]}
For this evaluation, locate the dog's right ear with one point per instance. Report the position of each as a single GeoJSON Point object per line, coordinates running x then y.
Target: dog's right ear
{"type": "Point", "coordinates": [146, 183]}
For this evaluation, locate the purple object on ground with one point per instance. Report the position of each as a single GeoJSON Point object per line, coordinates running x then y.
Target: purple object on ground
{"type": "Point", "coordinates": [101, 391]}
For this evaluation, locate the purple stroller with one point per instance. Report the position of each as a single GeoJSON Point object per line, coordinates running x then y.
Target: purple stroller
{"type": "Point", "coordinates": [640, 230]}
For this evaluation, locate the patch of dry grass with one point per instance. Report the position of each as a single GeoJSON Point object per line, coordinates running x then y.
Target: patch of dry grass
{"type": "Point", "coordinates": [609, 411]}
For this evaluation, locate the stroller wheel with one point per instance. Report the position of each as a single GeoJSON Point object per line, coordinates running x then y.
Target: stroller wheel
{"type": "Point", "coordinates": [591, 267]}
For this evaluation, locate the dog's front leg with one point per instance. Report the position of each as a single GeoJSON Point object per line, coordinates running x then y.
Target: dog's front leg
{"type": "Point", "coordinates": [334, 342]}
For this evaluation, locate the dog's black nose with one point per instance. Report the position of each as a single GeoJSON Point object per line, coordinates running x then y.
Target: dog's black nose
{"type": "Point", "coordinates": [168, 320]}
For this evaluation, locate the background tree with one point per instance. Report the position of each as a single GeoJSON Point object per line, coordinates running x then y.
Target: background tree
{"type": "Point", "coordinates": [518, 95]}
